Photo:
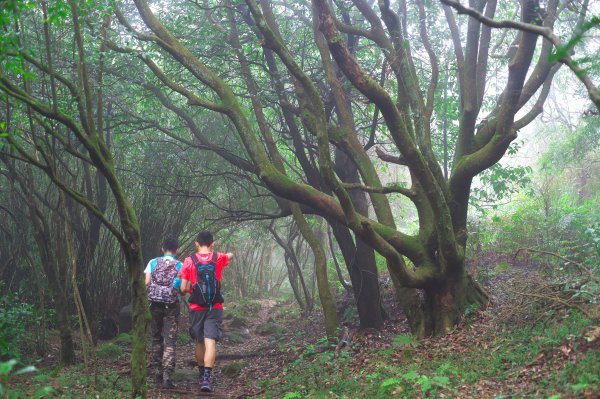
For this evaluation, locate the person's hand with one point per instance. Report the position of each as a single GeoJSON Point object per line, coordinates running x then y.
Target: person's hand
{"type": "Point", "coordinates": [229, 255]}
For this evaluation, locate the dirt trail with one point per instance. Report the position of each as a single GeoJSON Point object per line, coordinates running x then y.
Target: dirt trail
{"type": "Point", "coordinates": [256, 350]}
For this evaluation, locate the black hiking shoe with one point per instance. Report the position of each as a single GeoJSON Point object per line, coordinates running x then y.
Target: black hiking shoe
{"type": "Point", "coordinates": [205, 385]}
{"type": "Point", "coordinates": [168, 384]}
{"type": "Point", "coordinates": [158, 379]}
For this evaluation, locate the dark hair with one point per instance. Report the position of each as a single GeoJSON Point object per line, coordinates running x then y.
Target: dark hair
{"type": "Point", "coordinates": [170, 244]}
{"type": "Point", "coordinates": [204, 238]}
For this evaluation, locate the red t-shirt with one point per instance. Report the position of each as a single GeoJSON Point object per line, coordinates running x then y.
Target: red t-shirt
{"type": "Point", "coordinates": [188, 272]}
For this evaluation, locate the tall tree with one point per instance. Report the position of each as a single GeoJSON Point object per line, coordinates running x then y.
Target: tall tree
{"type": "Point", "coordinates": [432, 260]}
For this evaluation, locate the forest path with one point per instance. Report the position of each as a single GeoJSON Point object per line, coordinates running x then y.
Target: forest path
{"type": "Point", "coordinates": [254, 354]}
{"type": "Point", "coordinates": [265, 356]}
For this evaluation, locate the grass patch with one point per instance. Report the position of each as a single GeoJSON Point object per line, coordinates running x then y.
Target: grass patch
{"type": "Point", "coordinates": [502, 267]}
{"type": "Point", "coordinates": [124, 338]}
{"type": "Point", "coordinates": [183, 338]}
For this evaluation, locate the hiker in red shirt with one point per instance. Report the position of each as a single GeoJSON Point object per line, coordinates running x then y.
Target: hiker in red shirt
{"type": "Point", "coordinates": [201, 276]}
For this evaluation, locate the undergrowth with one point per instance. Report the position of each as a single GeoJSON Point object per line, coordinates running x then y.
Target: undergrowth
{"type": "Point", "coordinates": [71, 383]}
{"type": "Point", "coordinates": [508, 361]}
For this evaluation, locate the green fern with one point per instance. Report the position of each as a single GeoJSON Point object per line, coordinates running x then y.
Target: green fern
{"type": "Point", "coordinates": [390, 382]}
{"type": "Point", "coordinates": [292, 395]}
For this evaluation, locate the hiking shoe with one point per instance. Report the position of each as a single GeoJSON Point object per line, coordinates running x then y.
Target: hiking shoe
{"type": "Point", "coordinates": [168, 384]}
{"type": "Point", "coordinates": [158, 378]}
{"type": "Point", "coordinates": [205, 385]}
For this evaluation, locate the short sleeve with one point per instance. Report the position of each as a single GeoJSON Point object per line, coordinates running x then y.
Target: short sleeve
{"type": "Point", "coordinates": [186, 269]}
{"type": "Point", "coordinates": [223, 259]}
{"type": "Point", "coordinates": [148, 268]}
{"type": "Point", "coordinates": [222, 262]}
{"type": "Point", "coordinates": [177, 279]}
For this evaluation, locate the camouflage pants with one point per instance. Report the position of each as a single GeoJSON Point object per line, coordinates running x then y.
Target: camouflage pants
{"type": "Point", "coordinates": [164, 338]}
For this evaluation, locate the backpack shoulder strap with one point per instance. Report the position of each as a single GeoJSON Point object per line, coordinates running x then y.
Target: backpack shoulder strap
{"type": "Point", "coordinates": [214, 258]}
{"type": "Point", "coordinates": [153, 270]}
{"type": "Point", "coordinates": [195, 259]}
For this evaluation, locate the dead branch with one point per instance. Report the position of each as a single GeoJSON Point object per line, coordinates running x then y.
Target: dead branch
{"type": "Point", "coordinates": [553, 298]}
{"type": "Point", "coordinates": [581, 266]}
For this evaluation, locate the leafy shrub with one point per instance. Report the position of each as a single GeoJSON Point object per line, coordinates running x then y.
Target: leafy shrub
{"type": "Point", "coordinates": [109, 351]}
{"type": "Point", "coordinates": [16, 325]}
{"type": "Point", "coordinates": [124, 338]}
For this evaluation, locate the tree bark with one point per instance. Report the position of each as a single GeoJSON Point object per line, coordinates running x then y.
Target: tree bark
{"type": "Point", "coordinates": [359, 257]}
{"type": "Point", "coordinates": [446, 301]}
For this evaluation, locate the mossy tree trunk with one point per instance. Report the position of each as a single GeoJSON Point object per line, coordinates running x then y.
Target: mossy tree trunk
{"type": "Point", "coordinates": [446, 302]}
{"type": "Point", "coordinates": [359, 256]}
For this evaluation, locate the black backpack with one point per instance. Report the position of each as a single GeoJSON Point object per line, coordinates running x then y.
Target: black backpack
{"type": "Point", "coordinates": [207, 290]}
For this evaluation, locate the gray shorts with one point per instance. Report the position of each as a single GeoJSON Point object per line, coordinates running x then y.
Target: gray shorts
{"type": "Point", "coordinates": [206, 324]}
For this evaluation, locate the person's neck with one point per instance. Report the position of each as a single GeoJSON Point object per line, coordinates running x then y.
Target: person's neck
{"type": "Point", "coordinates": [204, 250]}
{"type": "Point", "coordinates": [169, 253]}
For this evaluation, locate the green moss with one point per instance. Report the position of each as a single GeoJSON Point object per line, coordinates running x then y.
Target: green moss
{"type": "Point", "coordinates": [236, 337]}
{"type": "Point", "coordinates": [269, 328]}
{"type": "Point", "coordinates": [234, 369]}
{"type": "Point", "coordinates": [238, 321]}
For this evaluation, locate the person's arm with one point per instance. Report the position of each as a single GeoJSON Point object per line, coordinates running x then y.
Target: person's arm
{"type": "Point", "coordinates": [229, 255]}
{"type": "Point", "coordinates": [185, 286]}
{"type": "Point", "coordinates": [148, 272]}
{"type": "Point", "coordinates": [184, 273]}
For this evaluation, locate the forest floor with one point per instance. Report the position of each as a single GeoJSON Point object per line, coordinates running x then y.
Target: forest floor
{"type": "Point", "coordinates": [520, 346]}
